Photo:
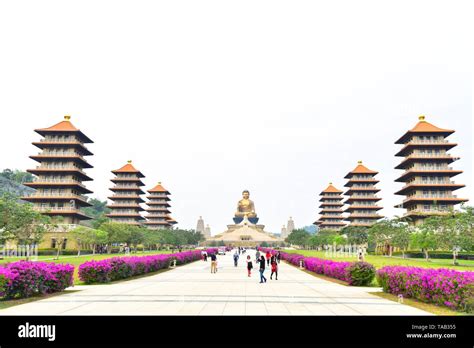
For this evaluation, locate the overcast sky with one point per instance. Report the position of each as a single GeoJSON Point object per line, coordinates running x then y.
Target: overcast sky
{"type": "Point", "coordinates": [214, 97]}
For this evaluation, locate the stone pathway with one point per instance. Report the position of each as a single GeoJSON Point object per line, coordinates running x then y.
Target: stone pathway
{"type": "Point", "coordinates": [192, 290]}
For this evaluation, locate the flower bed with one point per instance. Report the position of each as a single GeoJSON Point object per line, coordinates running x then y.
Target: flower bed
{"type": "Point", "coordinates": [354, 273]}
{"type": "Point", "coordinates": [115, 268]}
{"type": "Point", "coordinates": [25, 278]}
{"type": "Point", "coordinates": [445, 287]}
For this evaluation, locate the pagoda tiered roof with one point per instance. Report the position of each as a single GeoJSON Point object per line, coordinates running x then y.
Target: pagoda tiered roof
{"type": "Point", "coordinates": [362, 190]}
{"type": "Point", "coordinates": [59, 177]}
{"type": "Point", "coordinates": [331, 204]}
{"type": "Point", "coordinates": [66, 127]}
{"type": "Point", "coordinates": [127, 195]}
{"type": "Point", "coordinates": [158, 208]}
{"type": "Point", "coordinates": [428, 188]}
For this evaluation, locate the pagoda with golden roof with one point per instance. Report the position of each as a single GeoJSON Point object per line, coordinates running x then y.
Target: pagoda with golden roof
{"type": "Point", "coordinates": [125, 207]}
{"type": "Point", "coordinates": [362, 199]}
{"type": "Point", "coordinates": [59, 176]}
{"type": "Point", "coordinates": [427, 174]}
{"type": "Point", "coordinates": [331, 209]}
{"type": "Point", "coordinates": [158, 204]}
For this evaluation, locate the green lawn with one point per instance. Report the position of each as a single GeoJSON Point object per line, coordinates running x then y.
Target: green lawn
{"type": "Point", "coordinates": [380, 261]}
{"type": "Point", "coordinates": [77, 260]}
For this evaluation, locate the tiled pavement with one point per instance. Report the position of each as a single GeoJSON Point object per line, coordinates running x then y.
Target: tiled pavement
{"type": "Point", "coordinates": [192, 290]}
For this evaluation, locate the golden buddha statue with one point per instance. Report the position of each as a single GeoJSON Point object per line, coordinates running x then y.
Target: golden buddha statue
{"type": "Point", "coordinates": [245, 207]}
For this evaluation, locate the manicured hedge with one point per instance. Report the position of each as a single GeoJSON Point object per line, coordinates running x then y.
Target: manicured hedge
{"type": "Point", "coordinates": [52, 251]}
{"type": "Point", "coordinates": [116, 268]}
{"type": "Point", "coordinates": [436, 255]}
{"type": "Point", "coordinates": [25, 278]}
{"type": "Point", "coordinates": [445, 287]}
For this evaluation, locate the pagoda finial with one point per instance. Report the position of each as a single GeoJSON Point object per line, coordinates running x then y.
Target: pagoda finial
{"type": "Point", "coordinates": [129, 161]}
{"type": "Point", "coordinates": [422, 118]}
{"type": "Point", "coordinates": [359, 162]}
{"type": "Point", "coordinates": [159, 182]}
{"type": "Point", "coordinates": [330, 183]}
{"type": "Point", "coordinates": [67, 117]}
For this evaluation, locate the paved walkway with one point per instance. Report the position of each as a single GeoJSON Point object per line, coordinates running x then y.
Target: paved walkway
{"type": "Point", "coordinates": [192, 290]}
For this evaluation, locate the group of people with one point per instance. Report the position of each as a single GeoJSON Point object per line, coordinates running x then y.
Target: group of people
{"type": "Point", "coordinates": [261, 260]}
{"type": "Point", "coordinates": [270, 259]}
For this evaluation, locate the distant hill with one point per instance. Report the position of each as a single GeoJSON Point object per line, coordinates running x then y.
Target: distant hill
{"type": "Point", "coordinates": [312, 229]}
{"type": "Point", "coordinates": [10, 186]}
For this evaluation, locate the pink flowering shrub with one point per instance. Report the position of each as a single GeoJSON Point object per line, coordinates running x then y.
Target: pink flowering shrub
{"type": "Point", "coordinates": [116, 268]}
{"type": "Point", "coordinates": [445, 287]}
{"type": "Point", "coordinates": [354, 273]}
{"type": "Point", "coordinates": [24, 278]}
{"type": "Point", "coordinates": [6, 280]}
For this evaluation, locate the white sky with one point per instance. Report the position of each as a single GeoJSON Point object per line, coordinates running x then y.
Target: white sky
{"type": "Point", "coordinates": [214, 97]}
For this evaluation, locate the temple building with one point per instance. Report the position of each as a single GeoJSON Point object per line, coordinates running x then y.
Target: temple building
{"type": "Point", "coordinates": [331, 209]}
{"type": "Point", "coordinates": [362, 199]}
{"type": "Point", "coordinates": [158, 204]}
{"type": "Point", "coordinates": [125, 207]}
{"type": "Point", "coordinates": [427, 174]}
{"type": "Point", "coordinates": [207, 232]}
{"type": "Point", "coordinates": [200, 225]}
{"type": "Point", "coordinates": [59, 176]}
{"type": "Point", "coordinates": [290, 226]}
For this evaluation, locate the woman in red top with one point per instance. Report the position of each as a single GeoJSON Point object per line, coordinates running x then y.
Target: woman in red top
{"type": "Point", "coordinates": [274, 268]}
{"type": "Point", "coordinates": [268, 255]}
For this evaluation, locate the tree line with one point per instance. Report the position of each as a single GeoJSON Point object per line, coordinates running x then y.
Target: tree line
{"type": "Point", "coordinates": [21, 224]}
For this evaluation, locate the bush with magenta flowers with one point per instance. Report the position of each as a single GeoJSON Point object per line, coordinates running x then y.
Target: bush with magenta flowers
{"type": "Point", "coordinates": [116, 268]}
{"type": "Point", "coordinates": [361, 273]}
{"type": "Point", "coordinates": [25, 278]}
{"type": "Point", "coordinates": [354, 273]}
{"type": "Point", "coordinates": [444, 287]}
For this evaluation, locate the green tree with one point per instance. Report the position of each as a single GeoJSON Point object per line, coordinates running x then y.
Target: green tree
{"type": "Point", "coordinates": [454, 233]}
{"type": "Point", "coordinates": [21, 223]}
{"type": "Point", "coordinates": [382, 232]}
{"type": "Point", "coordinates": [136, 236]}
{"type": "Point", "coordinates": [401, 236]}
{"type": "Point", "coordinates": [356, 234]}
{"type": "Point", "coordinates": [298, 237]}
{"type": "Point", "coordinates": [426, 236]}
{"type": "Point", "coordinates": [466, 220]}
{"type": "Point", "coordinates": [98, 237]}
{"type": "Point", "coordinates": [116, 233]}
{"type": "Point", "coordinates": [81, 236]}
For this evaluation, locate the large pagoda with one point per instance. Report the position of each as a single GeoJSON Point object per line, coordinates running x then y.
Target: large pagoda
{"type": "Point", "coordinates": [331, 209]}
{"type": "Point", "coordinates": [125, 207]}
{"type": "Point", "coordinates": [428, 188]}
{"type": "Point", "coordinates": [158, 204]}
{"type": "Point", "coordinates": [362, 199]}
{"type": "Point", "coordinates": [59, 177]}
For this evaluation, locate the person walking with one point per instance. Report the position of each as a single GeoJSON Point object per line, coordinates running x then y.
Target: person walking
{"type": "Point", "coordinates": [278, 257]}
{"type": "Point", "coordinates": [257, 256]}
{"type": "Point", "coordinates": [213, 263]}
{"type": "Point", "coordinates": [262, 269]}
{"type": "Point", "coordinates": [249, 265]}
{"type": "Point", "coordinates": [236, 258]}
{"type": "Point", "coordinates": [274, 267]}
{"type": "Point", "coordinates": [268, 255]}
